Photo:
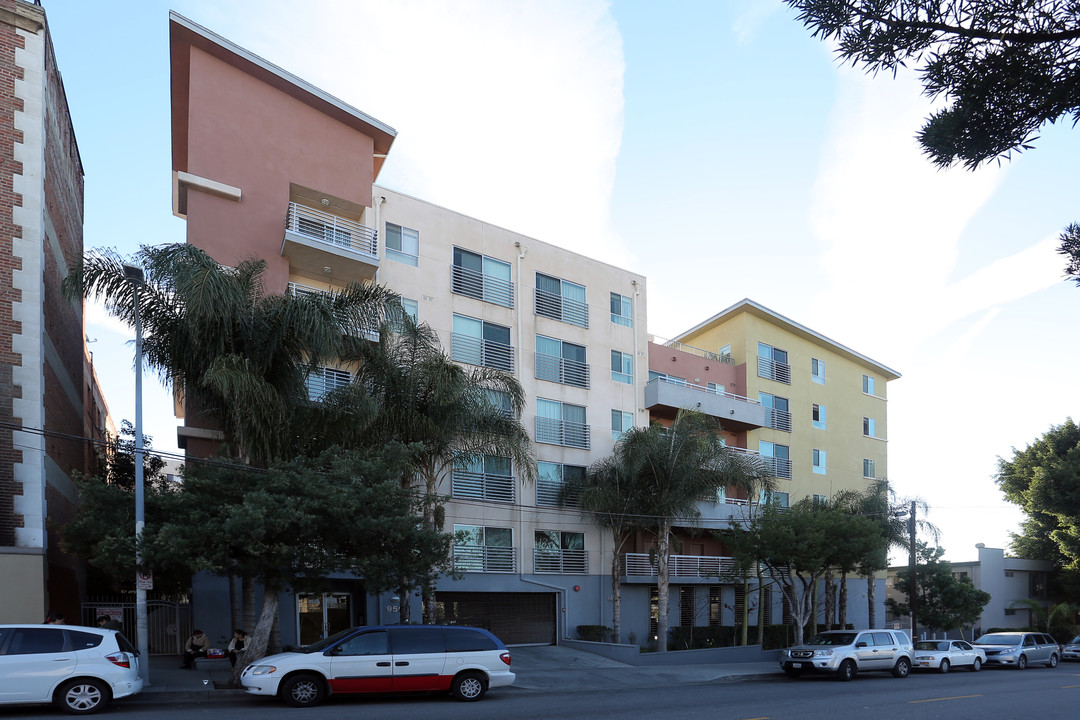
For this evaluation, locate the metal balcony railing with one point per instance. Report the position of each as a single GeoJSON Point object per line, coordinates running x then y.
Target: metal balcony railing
{"type": "Point", "coordinates": [701, 388]}
{"type": "Point", "coordinates": [475, 351]}
{"type": "Point", "coordinates": [560, 562]}
{"type": "Point", "coordinates": [562, 432]}
{"type": "Point", "coordinates": [777, 467]}
{"type": "Point", "coordinates": [557, 307]}
{"type": "Point", "coordinates": [548, 492]}
{"type": "Point", "coordinates": [560, 370]}
{"type": "Point", "coordinates": [323, 380]}
{"type": "Point", "coordinates": [367, 330]}
{"type": "Point", "coordinates": [777, 419]}
{"type": "Point", "coordinates": [331, 229]}
{"type": "Point", "coordinates": [478, 558]}
{"type": "Point", "coordinates": [483, 486]}
{"type": "Point", "coordinates": [772, 370]}
{"type": "Point", "coordinates": [708, 355]}
{"type": "Point", "coordinates": [489, 288]}
{"type": "Point", "coordinates": [689, 566]}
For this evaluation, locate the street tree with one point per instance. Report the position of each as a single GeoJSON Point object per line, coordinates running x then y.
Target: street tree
{"type": "Point", "coordinates": [1070, 248]}
{"type": "Point", "coordinates": [1004, 68]}
{"type": "Point", "coordinates": [945, 602]}
{"type": "Point", "coordinates": [1057, 619]}
{"type": "Point", "coordinates": [1044, 480]}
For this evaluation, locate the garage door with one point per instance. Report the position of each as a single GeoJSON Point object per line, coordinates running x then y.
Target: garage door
{"type": "Point", "coordinates": [515, 618]}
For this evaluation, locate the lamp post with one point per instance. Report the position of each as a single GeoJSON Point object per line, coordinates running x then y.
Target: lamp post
{"type": "Point", "coordinates": [135, 276]}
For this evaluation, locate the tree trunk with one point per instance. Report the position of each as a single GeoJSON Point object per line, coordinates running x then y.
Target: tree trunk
{"type": "Point", "coordinates": [255, 648]}
{"type": "Point", "coordinates": [871, 605]}
{"type": "Point", "coordinates": [761, 608]}
{"type": "Point", "coordinates": [616, 595]}
{"type": "Point", "coordinates": [744, 614]}
{"type": "Point", "coordinates": [843, 600]}
{"type": "Point", "coordinates": [248, 604]}
{"type": "Point", "coordinates": [830, 600]}
{"type": "Point", "coordinates": [810, 596]}
{"type": "Point", "coordinates": [663, 547]}
{"type": "Point", "coordinates": [404, 605]}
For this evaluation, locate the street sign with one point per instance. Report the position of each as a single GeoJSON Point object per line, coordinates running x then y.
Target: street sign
{"type": "Point", "coordinates": [144, 581]}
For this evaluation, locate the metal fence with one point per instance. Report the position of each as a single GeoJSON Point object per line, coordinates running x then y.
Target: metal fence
{"type": "Point", "coordinates": [168, 622]}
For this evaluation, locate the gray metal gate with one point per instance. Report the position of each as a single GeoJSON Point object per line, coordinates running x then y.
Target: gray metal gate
{"type": "Point", "coordinates": [169, 623]}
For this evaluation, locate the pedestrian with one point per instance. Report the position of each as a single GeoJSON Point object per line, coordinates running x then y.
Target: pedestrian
{"type": "Point", "coordinates": [236, 645]}
{"type": "Point", "coordinates": [107, 623]}
{"type": "Point", "coordinates": [55, 618]}
{"type": "Point", "coordinates": [196, 647]}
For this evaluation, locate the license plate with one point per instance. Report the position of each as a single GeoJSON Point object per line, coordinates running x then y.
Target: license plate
{"type": "Point", "coordinates": [796, 665]}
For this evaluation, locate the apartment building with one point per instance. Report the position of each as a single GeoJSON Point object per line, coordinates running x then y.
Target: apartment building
{"type": "Point", "coordinates": [49, 398]}
{"type": "Point", "coordinates": [267, 165]}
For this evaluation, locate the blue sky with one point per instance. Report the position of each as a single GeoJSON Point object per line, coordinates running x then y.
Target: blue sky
{"type": "Point", "coordinates": [713, 146]}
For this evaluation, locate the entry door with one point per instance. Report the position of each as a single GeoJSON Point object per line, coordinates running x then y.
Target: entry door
{"type": "Point", "coordinates": [323, 615]}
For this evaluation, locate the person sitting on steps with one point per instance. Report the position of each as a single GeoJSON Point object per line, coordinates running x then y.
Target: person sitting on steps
{"type": "Point", "coordinates": [196, 647]}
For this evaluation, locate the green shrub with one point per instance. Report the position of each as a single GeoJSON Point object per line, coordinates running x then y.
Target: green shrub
{"type": "Point", "coordinates": [706, 636]}
{"type": "Point", "coordinates": [593, 633]}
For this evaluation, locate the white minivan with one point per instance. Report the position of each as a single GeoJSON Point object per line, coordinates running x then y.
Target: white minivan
{"type": "Point", "coordinates": [78, 668]}
{"type": "Point", "coordinates": [464, 661]}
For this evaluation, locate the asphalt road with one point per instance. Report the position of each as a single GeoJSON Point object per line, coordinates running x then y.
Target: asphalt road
{"type": "Point", "coordinates": [1034, 694]}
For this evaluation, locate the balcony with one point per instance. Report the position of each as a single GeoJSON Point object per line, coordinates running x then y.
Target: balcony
{"type": "Point", "coordinates": [368, 333]}
{"type": "Point", "coordinates": [777, 467]}
{"type": "Point", "coordinates": [772, 370]}
{"type": "Point", "coordinates": [316, 240]}
{"type": "Point", "coordinates": [777, 419]}
{"type": "Point", "coordinates": [639, 567]}
{"type": "Point", "coordinates": [480, 286]}
{"type": "Point", "coordinates": [561, 370]}
{"type": "Point", "coordinates": [708, 355]}
{"type": "Point", "coordinates": [548, 493]}
{"type": "Point", "coordinates": [563, 432]}
{"type": "Point", "coordinates": [561, 308]}
{"type": "Point", "coordinates": [549, 561]}
{"type": "Point", "coordinates": [476, 351]}
{"type": "Point", "coordinates": [734, 411]}
{"type": "Point", "coordinates": [479, 558]}
{"type": "Point", "coordinates": [483, 486]}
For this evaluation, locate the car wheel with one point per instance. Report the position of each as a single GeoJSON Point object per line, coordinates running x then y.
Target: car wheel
{"type": "Point", "coordinates": [902, 668]}
{"type": "Point", "coordinates": [1053, 661]}
{"type": "Point", "coordinates": [1021, 663]}
{"type": "Point", "coordinates": [977, 665]}
{"type": "Point", "coordinates": [468, 686]}
{"type": "Point", "coordinates": [846, 671]}
{"type": "Point", "coordinates": [304, 690]}
{"type": "Point", "coordinates": [793, 673]}
{"type": "Point", "coordinates": [944, 667]}
{"type": "Point", "coordinates": [82, 697]}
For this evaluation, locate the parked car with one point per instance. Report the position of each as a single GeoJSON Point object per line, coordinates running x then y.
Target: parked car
{"type": "Point", "coordinates": [80, 669]}
{"type": "Point", "coordinates": [1019, 649]}
{"type": "Point", "coordinates": [845, 653]}
{"type": "Point", "coordinates": [942, 655]}
{"type": "Point", "coordinates": [1071, 649]}
{"type": "Point", "coordinates": [464, 661]}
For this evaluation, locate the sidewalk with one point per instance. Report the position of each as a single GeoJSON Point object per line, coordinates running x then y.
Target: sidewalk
{"type": "Point", "coordinates": [538, 669]}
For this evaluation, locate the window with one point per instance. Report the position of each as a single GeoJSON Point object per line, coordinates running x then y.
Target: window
{"type": "Point", "coordinates": [408, 308]}
{"type": "Point", "coordinates": [777, 459]}
{"type": "Point", "coordinates": [869, 468]}
{"type": "Point", "coordinates": [369, 643]}
{"type": "Point", "coordinates": [868, 427]}
{"type": "Point", "coordinates": [779, 499]}
{"type": "Point", "coordinates": [481, 277]}
{"type": "Point", "coordinates": [620, 422]}
{"type": "Point", "coordinates": [716, 604]}
{"type": "Point", "coordinates": [664, 377]}
{"type": "Point", "coordinates": [622, 310]}
{"type": "Point", "coordinates": [725, 353]}
{"type": "Point", "coordinates": [500, 400]}
{"type": "Point", "coordinates": [484, 549]}
{"type": "Point", "coordinates": [622, 367]}
{"type": "Point", "coordinates": [773, 364]}
{"type": "Point", "coordinates": [819, 462]}
{"type": "Point", "coordinates": [560, 552]}
{"type": "Point", "coordinates": [320, 381]}
{"type": "Point", "coordinates": [817, 371]}
{"type": "Point", "coordinates": [490, 477]}
{"type": "Point", "coordinates": [402, 244]}
{"type": "Point", "coordinates": [776, 411]}
{"type": "Point", "coordinates": [561, 300]}
{"type": "Point", "coordinates": [561, 362]}
{"type": "Point", "coordinates": [559, 423]}
{"type": "Point", "coordinates": [686, 606]}
{"type": "Point", "coordinates": [820, 501]}
{"type": "Point", "coordinates": [818, 413]}
{"type": "Point", "coordinates": [551, 478]}
{"type": "Point", "coordinates": [1009, 573]}
{"type": "Point", "coordinates": [1010, 611]}
{"type": "Point", "coordinates": [868, 385]}
{"type": "Point", "coordinates": [477, 342]}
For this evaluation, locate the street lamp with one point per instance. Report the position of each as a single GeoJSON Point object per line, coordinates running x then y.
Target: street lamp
{"type": "Point", "coordinates": [135, 276]}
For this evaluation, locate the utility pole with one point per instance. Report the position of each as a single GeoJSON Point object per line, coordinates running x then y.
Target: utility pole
{"type": "Point", "coordinates": [913, 585]}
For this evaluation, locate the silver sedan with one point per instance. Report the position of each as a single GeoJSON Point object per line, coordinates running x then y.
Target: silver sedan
{"type": "Point", "coordinates": [942, 655]}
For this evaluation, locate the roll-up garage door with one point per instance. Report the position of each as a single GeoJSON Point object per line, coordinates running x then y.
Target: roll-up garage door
{"type": "Point", "coordinates": [515, 618]}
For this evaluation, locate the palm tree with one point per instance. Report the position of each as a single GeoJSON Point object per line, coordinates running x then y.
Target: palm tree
{"type": "Point", "coordinates": [457, 415]}
{"type": "Point", "coordinates": [1042, 615]}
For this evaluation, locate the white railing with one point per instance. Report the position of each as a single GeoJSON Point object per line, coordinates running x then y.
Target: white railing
{"type": "Point", "coordinates": [323, 380]}
{"type": "Point", "coordinates": [558, 307]}
{"type": "Point", "coordinates": [562, 432]}
{"type": "Point", "coordinates": [478, 558]}
{"type": "Point", "coordinates": [482, 486]}
{"type": "Point", "coordinates": [772, 370]}
{"type": "Point", "coordinates": [560, 562]}
{"type": "Point", "coordinates": [548, 493]}
{"type": "Point", "coordinates": [476, 351]}
{"type": "Point", "coordinates": [777, 467]}
{"type": "Point", "coordinates": [708, 355]}
{"type": "Point", "coordinates": [464, 281]}
{"type": "Point", "coordinates": [777, 419]}
{"type": "Point", "coordinates": [641, 565]}
{"type": "Point", "coordinates": [701, 388]}
{"type": "Point", "coordinates": [331, 229]}
{"type": "Point", "coordinates": [561, 370]}
{"type": "Point", "coordinates": [371, 332]}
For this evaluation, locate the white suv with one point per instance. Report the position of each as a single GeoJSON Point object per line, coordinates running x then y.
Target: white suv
{"type": "Point", "coordinates": [463, 661]}
{"type": "Point", "coordinates": [79, 668]}
{"type": "Point", "coordinates": [844, 653]}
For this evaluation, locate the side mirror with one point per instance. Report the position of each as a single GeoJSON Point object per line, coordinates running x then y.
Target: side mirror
{"type": "Point", "coordinates": [860, 644]}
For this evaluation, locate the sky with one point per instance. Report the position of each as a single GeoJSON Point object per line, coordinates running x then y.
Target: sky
{"type": "Point", "coordinates": [714, 147]}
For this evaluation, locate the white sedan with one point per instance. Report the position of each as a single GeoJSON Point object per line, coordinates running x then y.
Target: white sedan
{"type": "Point", "coordinates": [942, 655]}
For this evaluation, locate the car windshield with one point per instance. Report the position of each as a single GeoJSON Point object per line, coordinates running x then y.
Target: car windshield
{"type": "Point", "coordinates": [931, 645]}
{"type": "Point", "coordinates": [320, 645]}
{"type": "Point", "coordinates": [1075, 640]}
{"type": "Point", "coordinates": [999, 640]}
{"type": "Point", "coordinates": [832, 639]}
